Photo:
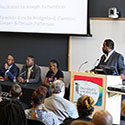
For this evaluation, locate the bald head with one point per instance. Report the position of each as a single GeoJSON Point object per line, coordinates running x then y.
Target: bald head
{"type": "Point", "coordinates": [123, 107]}
{"type": "Point", "coordinates": [81, 122]}
{"type": "Point", "coordinates": [102, 118]}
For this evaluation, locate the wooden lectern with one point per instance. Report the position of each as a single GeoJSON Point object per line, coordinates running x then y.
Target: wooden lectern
{"type": "Point", "coordinates": [95, 85]}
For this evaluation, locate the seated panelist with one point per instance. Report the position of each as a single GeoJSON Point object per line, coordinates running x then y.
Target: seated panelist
{"type": "Point", "coordinates": [9, 71]}
{"type": "Point", "coordinates": [31, 72]}
{"type": "Point", "coordinates": [53, 74]}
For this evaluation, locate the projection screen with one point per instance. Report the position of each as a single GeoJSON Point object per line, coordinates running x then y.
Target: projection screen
{"type": "Point", "coordinates": [44, 16]}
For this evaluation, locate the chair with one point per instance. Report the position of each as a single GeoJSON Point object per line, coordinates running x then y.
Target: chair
{"type": "Point", "coordinates": [34, 122]}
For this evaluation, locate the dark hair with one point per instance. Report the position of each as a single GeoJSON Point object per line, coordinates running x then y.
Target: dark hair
{"type": "Point", "coordinates": [10, 55]}
{"type": "Point", "coordinates": [15, 90]}
{"type": "Point", "coordinates": [32, 57]}
{"type": "Point", "coordinates": [12, 113]}
{"type": "Point", "coordinates": [54, 61]}
{"type": "Point", "coordinates": [109, 43]}
{"type": "Point", "coordinates": [85, 105]}
{"type": "Point", "coordinates": [39, 95]}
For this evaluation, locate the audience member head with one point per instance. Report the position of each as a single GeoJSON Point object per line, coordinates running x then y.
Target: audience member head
{"type": "Point", "coordinates": [53, 65]}
{"type": "Point", "coordinates": [102, 118]}
{"type": "Point", "coordinates": [85, 106]}
{"type": "Point", "coordinates": [81, 122]}
{"type": "Point", "coordinates": [123, 107]}
{"type": "Point", "coordinates": [12, 113]}
{"type": "Point", "coordinates": [38, 96]}
{"type": "Point", "coordinates": [108, 46]}
{"type": "Point", "coordinates": [10, 60]}
{"type": "Point", "coordinates": [16, 91]}
{"type": "Point", "coordinates": [30, 61]}
{"type": "Point", "coordinates": [58, 87]}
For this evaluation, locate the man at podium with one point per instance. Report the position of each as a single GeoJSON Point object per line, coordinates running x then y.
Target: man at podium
{"type": "Point", "coordinates": [111, 62]}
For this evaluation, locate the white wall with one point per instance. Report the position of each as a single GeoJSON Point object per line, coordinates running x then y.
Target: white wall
{"type": "Point", "coordinates": [90, 48]}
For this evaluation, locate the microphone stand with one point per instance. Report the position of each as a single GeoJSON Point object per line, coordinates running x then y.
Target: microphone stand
{"type": "Point", "coordinates": [82, 65]}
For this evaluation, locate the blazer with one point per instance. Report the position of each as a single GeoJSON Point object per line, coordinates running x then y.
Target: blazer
{"type": "Point", "coordinates": [13, 72]}
{"type": "Point", "coordinates": [116, 61]}
{"type": "Point", "coordinates": [35, 76]}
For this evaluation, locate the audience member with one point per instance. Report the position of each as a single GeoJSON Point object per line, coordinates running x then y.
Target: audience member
{"type": "Point", "coordinates": [85, 107]}
{"type": "Point", "coordinates": [54, 73]}
{"type": "Point", "coordinates": [16, 93]}
{"type": "Point", "coordinates": [81, 122]}
{"type": "Point", "coordinates": [12, 113]}
{"type": "Point", "coordinates": [31, 72]}
{"type": "Point", "coordinates": [102, 118]}
{"type": "Point", "coordinates": [123, 107]}
{"type": "Point", "coordinates": [57, 104]}
{"type": "Point", "coordinates": [9, 71]}
{"type": "Point", "coordinates": [38, 111]}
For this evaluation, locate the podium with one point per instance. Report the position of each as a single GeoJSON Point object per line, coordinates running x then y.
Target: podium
{"type": "Point", "coordinates": [95, 85]}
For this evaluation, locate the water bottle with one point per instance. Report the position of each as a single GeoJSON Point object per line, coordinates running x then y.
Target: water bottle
{"type": "Point", "coordinates": [14, 79]}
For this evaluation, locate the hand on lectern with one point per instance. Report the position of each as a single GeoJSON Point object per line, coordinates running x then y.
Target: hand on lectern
{"type": "Point", "coordinates": [88, 71]}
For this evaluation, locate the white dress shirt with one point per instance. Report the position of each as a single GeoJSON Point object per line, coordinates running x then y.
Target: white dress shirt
{"type": "Point", "coordinates": [109, 54]}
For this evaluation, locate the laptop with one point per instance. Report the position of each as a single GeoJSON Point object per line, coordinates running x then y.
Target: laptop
{"type": "Point", "coordinates": [118, 87]}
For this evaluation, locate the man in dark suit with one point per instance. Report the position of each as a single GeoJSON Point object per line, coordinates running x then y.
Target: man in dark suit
{"type": "Point", "coordinates": [31, 72]}
{"type": "Point", "coordinates": [111, 61]}
{"type": "Point", "coordinates": [9, 71]}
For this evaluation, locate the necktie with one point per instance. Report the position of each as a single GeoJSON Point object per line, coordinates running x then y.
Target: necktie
{"type": "Point", "coordinates": [29, 72]}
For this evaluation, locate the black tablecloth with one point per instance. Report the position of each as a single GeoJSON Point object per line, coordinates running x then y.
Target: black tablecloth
{"type": "Point", "coordinates": [27, 89]}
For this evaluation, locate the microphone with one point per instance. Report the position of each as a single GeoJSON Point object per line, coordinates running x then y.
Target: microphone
{"type": "Point", "coordinates": [82, 65]}
{"type": "Point", "coordinates": [95, 62]}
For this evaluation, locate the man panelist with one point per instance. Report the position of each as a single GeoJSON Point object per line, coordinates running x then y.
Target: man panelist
{"type": "Point", "coordinates": [111, 61]}
{"type": "Point", "coordinates": [9, 71]}
{"type": "Point", "coordinates": [31, 72]}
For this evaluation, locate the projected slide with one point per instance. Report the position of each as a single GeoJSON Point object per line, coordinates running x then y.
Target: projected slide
{"type": "Point", "coordinates": [44, 16]}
